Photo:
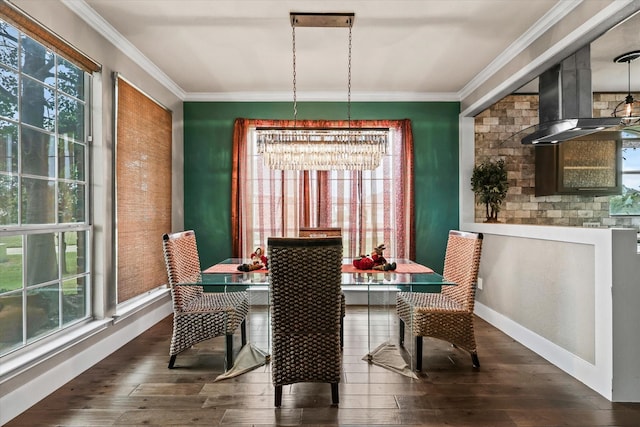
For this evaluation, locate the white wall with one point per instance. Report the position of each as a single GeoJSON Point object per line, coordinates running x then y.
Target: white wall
{"type": "Point", "coordinates": [544, 287]}
{"type": "Point", "coordinates": [547, 286]}
{"type": "Point", "coordinates": [570, 295]}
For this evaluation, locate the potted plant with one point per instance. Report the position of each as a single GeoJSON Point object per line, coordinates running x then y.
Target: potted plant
{"type": "Point", "coordinates": [489, 182]}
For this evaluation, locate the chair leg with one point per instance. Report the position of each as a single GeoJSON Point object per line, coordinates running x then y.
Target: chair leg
{"type": "Point", "coordinates": [341, 332]}
{"type": "Point", "coordinates": [172, 360]}
{"type": "Point", "coordinates": [474, 360]}
{"type": "Point", "coordinates": [243, 332]}
{"type": "Point", "coordinates": [401, 333]}
{"type": "Point", "coordinates": [418, 353]}
{"type": "Point", "coordinates": [229, 352]}
{"type": "Point", "coordinates": [278, 396]}
{"type": "Point", "coordinates": [334, 393]}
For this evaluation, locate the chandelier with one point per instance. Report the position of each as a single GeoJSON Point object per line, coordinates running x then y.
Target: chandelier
{"type": "Point", "coordinates": [627, 110]}
{"type": "Point", "coordinates": [305, 148]}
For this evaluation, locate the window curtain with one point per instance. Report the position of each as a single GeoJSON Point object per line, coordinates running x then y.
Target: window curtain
{"type": "Point", "coordinates": [371, 207]}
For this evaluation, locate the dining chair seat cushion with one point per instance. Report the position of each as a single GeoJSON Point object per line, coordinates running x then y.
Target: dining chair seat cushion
{"type": "Point", "coordinates": [427, 303]}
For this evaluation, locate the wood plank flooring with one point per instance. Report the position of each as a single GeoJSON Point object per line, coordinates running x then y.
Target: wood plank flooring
{"type": "Point", "coordinates": [513, 387]}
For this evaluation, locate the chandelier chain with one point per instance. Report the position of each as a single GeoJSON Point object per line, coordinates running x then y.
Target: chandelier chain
{"type": "Point", "coordinates": [349, 82]}
{"type": "Point", "coordinates": [295, 102]}
{"type": "Point", "coordinates": [629, 76]}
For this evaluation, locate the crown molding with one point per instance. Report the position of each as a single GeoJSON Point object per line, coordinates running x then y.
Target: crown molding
{"type": "Point", "coordinates": [549, 19]}
{"type": "Point", "coordinates": [98, 23]}
{"type": "Point", "coordinates": [321, 97]}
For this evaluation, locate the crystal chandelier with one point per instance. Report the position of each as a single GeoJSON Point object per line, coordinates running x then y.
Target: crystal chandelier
{"type": "Point", "coordinates": [628, 110]}
{"type": "Point", "coordinates": [304, 148]}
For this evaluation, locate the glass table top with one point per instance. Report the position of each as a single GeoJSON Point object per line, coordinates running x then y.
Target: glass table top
{"type": "Point", "coordinates": [418, 280]}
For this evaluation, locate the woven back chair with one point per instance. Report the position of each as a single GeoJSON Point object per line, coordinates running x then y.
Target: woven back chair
{"type": "Point", "coordinates": [328, 232]}
{"type": "Point", "coordinates": [449, 314]}
{"type": "Point", "coordinates": [305, 301]}
{"type": "Point", "coordinates": [199, 315]}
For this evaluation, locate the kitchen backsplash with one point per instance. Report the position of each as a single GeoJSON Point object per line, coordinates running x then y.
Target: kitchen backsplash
{"type": "Point", "coordinates": [493, 129]}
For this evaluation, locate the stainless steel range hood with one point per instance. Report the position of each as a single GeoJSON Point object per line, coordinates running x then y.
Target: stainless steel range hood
{"type": "Point", "coordinates": [566, 105]}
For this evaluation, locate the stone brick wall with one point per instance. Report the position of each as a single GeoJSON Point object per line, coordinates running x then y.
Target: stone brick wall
{"type": "Point", "coordinates": [494, 135]}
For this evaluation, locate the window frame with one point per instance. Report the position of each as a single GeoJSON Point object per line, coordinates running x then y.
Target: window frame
{"type": "Point", "coordinates": [356, 242]}
{"type": "Point", "coordinates": [60, 223]}
{"type": "Point", "coordinates": [632, 197]}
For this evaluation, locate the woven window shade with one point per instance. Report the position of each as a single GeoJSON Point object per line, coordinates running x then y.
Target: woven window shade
{"type": "Point", "coordinates": [143, 190]}
{"type": "Point", "coordinates": [35, 30]}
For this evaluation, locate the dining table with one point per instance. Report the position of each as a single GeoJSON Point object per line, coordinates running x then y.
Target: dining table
{"type": "Point", "coordinates": [374, 288]}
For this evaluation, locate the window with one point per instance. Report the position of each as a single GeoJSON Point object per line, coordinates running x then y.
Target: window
{"type": "Point", "coordinates": [371, 207]}
{"type": "Point", "coordinates": [628, 203]}
{"type": "Point", "coordinates": [44, 227]}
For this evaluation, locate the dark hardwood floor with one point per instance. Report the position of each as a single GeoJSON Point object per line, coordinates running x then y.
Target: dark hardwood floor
{"type": "Point", "coordinates": [513, 387]}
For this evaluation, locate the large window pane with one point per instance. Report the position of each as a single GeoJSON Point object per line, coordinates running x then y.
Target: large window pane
{"type": "Point", "coordinates": [70, 160]}
{"type": "Point", "coordinates": [8, 199]}
{"type": "Point", "coordinates": [42, 259]}
{"type": "Point", "coordinates": [74, 300]}
{"type": "Point", "coordinates": [8, 45]}
{"type": "Point", "coordinates": [11, 315]}
{"type": "Point", "coordinates": [38, 201]}
{"type": "Point", "coordinates": [8, 93]}
{"type": "Point", "coordinates": [8, 147]}
{"type": "Point", "coordinates": [38, 153]}
{"type": "Point", "coordinates": [38, 61]}
{"type": "Point", "coordinates": [70, 79]}
{"type": "Point", "coordinates": [10, 264]}
{"type": "Point", "coordinates": [74, 250]}
{"type": "Point", "coordinates": [70, 202]}
{"type": "Point", "coordinates": [70, 117]}
{"type": "Point", "coordinates": [43, 311]}
{"type": "Point", "coordinates": [37, 105]}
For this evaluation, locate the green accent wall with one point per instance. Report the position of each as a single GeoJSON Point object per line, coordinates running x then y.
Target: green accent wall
{"type": "Point", "coordinates": [208, 130]}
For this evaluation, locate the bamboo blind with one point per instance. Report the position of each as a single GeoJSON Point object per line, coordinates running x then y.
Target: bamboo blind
{"type": "Point", "coordinates": [143, 190]}
{"type": "Point", "coordinates": [35, 30]}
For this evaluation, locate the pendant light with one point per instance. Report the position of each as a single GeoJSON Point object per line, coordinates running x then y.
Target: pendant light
{"type": "Point", "coordinates": [628, 110]}
{"type": "Point", "coordinates": [304, 148]}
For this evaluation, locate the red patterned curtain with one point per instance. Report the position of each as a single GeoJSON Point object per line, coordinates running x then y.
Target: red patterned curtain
{"type": "Point", "coordinates": [371, 207]}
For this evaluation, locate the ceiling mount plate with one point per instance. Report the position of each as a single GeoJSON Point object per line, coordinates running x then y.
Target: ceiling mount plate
{"type": "Point", "coordinates": [304, 19]}
{"type": "Point", "coordinates": [627, 57]}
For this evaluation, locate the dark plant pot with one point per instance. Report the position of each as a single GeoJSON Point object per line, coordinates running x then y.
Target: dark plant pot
{"type": "Point", "coordinates": [491, 220]}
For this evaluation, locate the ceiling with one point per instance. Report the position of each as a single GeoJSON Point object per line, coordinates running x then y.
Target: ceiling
{"type": "Point", "coordinates": [402, 49]}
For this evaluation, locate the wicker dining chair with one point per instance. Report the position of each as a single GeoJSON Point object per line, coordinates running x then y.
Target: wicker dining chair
{"type": "Point", "coordinates": [199, 315]}
{"type": "Point", "coordinates": [305, 302]}
{"type": "Point", "coordinates": [449, 314]}
{"type": "Point", "coordinates": [328, 232]}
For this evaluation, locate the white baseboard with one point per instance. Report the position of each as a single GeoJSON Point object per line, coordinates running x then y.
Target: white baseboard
{"type": "Point", "coordinates": [591, 375]}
